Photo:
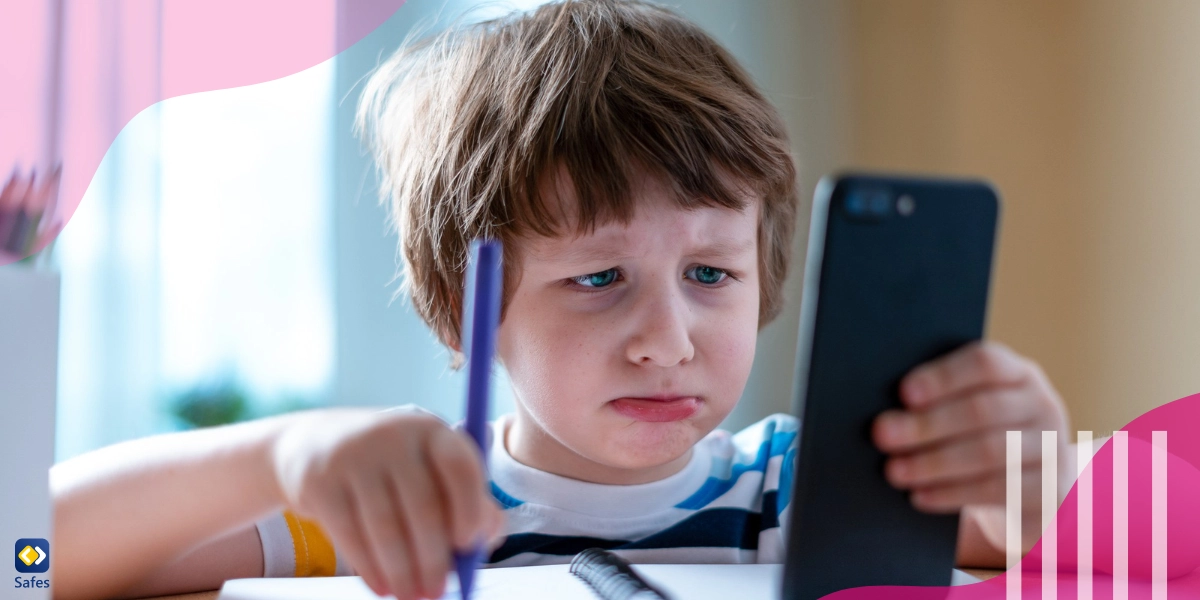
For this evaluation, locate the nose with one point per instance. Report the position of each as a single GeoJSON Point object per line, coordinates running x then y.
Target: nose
{"type": "Point", "coordinates": [661, 336]}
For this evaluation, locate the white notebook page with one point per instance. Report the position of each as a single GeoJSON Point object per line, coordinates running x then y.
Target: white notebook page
{"type": "Point", "coordinates": [552, 582]}
{"type": "Point", "coordinates": [531, 583]}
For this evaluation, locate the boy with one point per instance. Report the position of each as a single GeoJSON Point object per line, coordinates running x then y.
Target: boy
{"type": "Point", "coordinates": [646, 197]}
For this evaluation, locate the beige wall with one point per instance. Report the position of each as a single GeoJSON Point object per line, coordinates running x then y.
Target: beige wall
{"type": "Point", "coordinates": [1087, 117]}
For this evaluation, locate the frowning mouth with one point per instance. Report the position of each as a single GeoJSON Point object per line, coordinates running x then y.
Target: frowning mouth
{"type": "Point", "coordinates": [657, 409]}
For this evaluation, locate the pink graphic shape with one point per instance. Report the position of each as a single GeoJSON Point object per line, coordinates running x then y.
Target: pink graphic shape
{"type": "Point", "coordinates": [1181, 419]}
{"type": "Point", "coordinates": [1183, 551]}
{"type": "Point", "coordinates": [107, 61]}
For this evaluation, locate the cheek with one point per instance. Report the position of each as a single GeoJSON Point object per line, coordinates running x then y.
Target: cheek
{"type": "Point", "coordinates": [549, 359]}
{"type": "Point", "coordinates": [736, 349]}
{"type": "Point", "coordinates": [730, 343]}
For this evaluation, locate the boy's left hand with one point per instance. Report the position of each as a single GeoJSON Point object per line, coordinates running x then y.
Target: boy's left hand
{"type": "Point", "coordinates": [947, 446]}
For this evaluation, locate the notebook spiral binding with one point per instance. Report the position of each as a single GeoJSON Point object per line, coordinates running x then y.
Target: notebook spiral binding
{"type": "Point", "coordinates": [611, 577]}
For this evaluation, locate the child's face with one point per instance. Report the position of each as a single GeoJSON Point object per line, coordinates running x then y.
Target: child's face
{"type": "Point", "coordinates": [628, 345]}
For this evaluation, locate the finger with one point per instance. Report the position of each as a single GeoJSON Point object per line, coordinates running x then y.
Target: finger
{"type": "Point", "coordinates": [390, 548]}
{"type": "Point", "coordinates": [426, 525]}
{"type": "Point", "coordinates": [974, 365]}
{"type": "Point", "coordinates": [340, 517]}
{"type": "Point", "coordinates": [990, 489]}
{"type": "Point", "coordinates": [459, 473]}
{"type": "Point", "coordinates": [980, 410]}
{"type": "Point", "coordinates": [965, 459]}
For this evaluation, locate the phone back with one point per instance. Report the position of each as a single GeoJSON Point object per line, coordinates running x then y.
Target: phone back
{"type": "Point", "coordinates": [897, 274]}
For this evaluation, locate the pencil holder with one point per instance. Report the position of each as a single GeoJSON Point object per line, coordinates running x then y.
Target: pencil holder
{"type": "Point", "coordinates": [29, 317]}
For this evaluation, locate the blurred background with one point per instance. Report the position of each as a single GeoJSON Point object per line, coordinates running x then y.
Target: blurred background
{"type": "Point", "coordinates": [230, 259]}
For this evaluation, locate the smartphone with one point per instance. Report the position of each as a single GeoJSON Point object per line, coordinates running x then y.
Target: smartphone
{"type": "Point", "coordinates": [897, 274]}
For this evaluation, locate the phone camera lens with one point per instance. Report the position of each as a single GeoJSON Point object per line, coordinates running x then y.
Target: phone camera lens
{"type": "Point", "coordinates": [871, 204]}
{"type": "Point", "coordinates": [856, 204]}
{"type": "Point", "coordinates": [881, 203]}
{"type": "Point", "coordinates": [906, 205]}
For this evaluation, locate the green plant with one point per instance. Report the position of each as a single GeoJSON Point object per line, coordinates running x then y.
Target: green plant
{"type": "Point", "coordinates": [211, 405]}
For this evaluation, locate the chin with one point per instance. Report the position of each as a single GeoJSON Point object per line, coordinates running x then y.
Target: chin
{"type": "Point", "coordinates": [646, 445]}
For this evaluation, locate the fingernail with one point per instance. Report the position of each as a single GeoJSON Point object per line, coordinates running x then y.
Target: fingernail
{"type": "Point", "coordinates": [895, 429]}
{"type": "Point", "coordinates": [916, 389]}
{"type": "Point", "coordinates": [898, 471]}
{"type": "Point", "coordinates": [929, 502]}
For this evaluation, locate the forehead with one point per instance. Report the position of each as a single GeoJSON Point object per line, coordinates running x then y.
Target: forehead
{"type": "Point", "coordinates": [659, 222]}
{"type": "Point", "coordinates": [557, 195]}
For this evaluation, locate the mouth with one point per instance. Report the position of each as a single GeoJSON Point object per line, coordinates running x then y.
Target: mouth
{"type": "Point", "coordinates": [657, 409]}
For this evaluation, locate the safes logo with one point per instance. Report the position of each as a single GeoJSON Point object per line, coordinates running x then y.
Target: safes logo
{"type": "Point", "coordinates": [32, 555]}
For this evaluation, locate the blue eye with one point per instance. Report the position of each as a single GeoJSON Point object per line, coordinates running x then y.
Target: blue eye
{"type": "Point", "coordinates": [709, 275]}
{"type": "Point", "coordinates": [597, 280]}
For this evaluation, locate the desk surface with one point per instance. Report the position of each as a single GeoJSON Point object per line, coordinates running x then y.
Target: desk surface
{"type": "Point", "coordinates": [980, 573]}
{"type": "Point", "coordinates": [197, 596]}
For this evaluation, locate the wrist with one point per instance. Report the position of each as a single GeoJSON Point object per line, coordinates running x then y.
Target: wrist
{"type": "Point", "coordinates": [279, 432]}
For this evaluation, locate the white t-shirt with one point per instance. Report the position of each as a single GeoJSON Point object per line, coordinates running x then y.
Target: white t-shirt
{"type": "Point", "coordinates": [729, 504]}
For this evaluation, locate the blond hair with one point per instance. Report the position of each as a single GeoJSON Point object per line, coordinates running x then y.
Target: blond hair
{"type": "Point", "coordinates": [464, 126]}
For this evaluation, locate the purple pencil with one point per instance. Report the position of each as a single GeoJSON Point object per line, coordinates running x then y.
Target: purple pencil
{"type": "Point", "coordinates": [481, 316]}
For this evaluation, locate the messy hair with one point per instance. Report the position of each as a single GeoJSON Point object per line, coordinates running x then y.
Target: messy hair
{"type": "Point", "coordinates": [464, 127]}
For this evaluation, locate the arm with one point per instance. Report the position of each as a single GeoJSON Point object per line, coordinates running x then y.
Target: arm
{"type": "Point", "coordinates": [125, 512]}
{"type": "Point", "coordinates": [396, 492]}
{"type": "Point", "coordinates": [975, 550]}
{"type": "Point", "coordinates": [233, 556]}
{"type": "Point", "coordinates": [982, 529]}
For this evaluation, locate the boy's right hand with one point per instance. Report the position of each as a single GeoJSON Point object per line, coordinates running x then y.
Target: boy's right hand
{"type": "Point", "coordinates": [397, 493]}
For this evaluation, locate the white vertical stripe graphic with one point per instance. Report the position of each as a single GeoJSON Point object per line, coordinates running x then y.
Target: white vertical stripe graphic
{"type": "Point", "coordinates": [1049, 508]}
{"type": "Point", "coordinates": [1158, 515]}
{"type": "Point", "coordinates": [1083, 498]}
{"type": "Point", "coordinates": [1120, 515]}
{"type": "Point", "coordinates": [1012, 514]}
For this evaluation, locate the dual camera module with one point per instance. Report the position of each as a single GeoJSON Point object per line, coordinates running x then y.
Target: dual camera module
{"type": "Point", "coordinates": [876, 204]}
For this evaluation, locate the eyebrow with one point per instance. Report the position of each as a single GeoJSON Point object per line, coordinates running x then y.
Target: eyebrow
{"type": "Point", "coordinates": [724, 248]}
{"type": "Point", "coordinates": [721, 248]}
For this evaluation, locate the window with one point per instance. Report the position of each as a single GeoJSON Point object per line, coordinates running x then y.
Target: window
{"type": "Point", "coordinates": [200, 258]}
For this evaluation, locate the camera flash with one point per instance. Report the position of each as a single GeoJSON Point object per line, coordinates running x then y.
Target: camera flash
{"type": "Point", "coordinates": [905, 205]}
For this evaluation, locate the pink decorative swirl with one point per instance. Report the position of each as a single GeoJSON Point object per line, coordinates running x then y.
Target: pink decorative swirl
{"type": "Point", "coordinates": [74, 72]}
{"type": "Point", "coordinates": [1181, 420]}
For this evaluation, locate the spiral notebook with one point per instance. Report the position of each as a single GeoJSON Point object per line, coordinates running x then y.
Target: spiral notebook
{"type": "Point", "coordinates": [600, 576]}
{"type": "Point", "coordinates": [531, 583]}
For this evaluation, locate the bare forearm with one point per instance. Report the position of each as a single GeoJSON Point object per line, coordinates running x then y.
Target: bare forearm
{"type": "Point", "coordinates": [236, 555]}
{"type": "Point", "coordinates": [975, 549]}
{"type": "Point", "coordinates": [982, 529]}
{"type": "Point", "coordinates": [124, 512]}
